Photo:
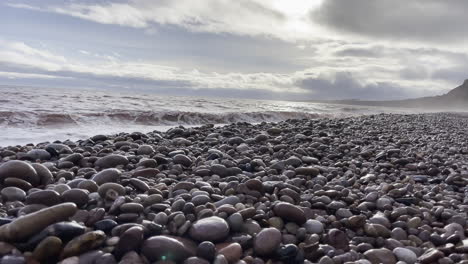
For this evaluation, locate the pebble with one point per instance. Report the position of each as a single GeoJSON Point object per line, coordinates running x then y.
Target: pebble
{"type": "Point", "coordinates": [48, 249]}
{"type": "Point", "coordinates": [19, 169]}
{"type": "Point", "coordinates": [313, 226]}
{"type": "Point", "coordinates": [380, 256]}
{"type": "Point", "coordinates": [45, 197]}
{"type": "Point", "coordinates": [384, 188]}
{"type": "Point", "coordinates": [166, 249]}
{"type": "Point", "coordinates": [111, 161]}
{"type": "Point", "coordinates": [267, 241]}
{"type": "Point", "coordinates": [77, 196]}
{"type": "Point", "coordinates": [212, 229]}
{"type": "Point", "coordinates": [406, 255]}
{"type": "Point", "coordinates": [83, 243]}
{"type": "Point", "coordinates": [130, 240]}
{"type": "Point", "coordinates": [107, 175]}
{"type": "Point", "coordinates": [10, 194]}
{"type": "Point", "coordinates": [33, 223]}
{"type": "Point", "coordinates": [290, 212]}
{"type": "Point", "coordinates": [206, 250]}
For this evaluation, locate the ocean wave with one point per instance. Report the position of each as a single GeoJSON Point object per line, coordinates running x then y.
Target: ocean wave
{"type": "Point", "coordinates": [168, 118]}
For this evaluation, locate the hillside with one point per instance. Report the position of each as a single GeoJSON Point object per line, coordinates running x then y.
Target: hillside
{"type": "Point", "coordinates": [454, 100]}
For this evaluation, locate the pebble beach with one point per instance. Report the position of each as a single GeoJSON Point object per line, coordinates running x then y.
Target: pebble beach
{"type": "Point", "coordinates": [385, 188]}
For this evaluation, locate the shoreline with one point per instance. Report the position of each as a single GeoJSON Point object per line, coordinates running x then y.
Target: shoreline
{"type": "Point", "coordinates": [368, 188]}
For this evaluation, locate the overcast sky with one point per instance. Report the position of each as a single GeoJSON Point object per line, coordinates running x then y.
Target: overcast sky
{"type": "Point", "coordinates": [275, 49]}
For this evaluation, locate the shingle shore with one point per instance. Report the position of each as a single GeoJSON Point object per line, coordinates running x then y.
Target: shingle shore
{"type": "Point", "coordinates": [370, 189]}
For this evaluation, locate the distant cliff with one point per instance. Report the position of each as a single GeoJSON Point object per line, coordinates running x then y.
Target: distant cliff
{"type": "Point", "coordinates": [455, 99]}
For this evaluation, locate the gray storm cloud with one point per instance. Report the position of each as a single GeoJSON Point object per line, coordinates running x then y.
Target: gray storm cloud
{"type": "Point", "coordinates": [424, 20]}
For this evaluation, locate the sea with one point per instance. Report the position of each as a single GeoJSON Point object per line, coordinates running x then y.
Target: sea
{"type": "Point", "coordinates": [35, 115]}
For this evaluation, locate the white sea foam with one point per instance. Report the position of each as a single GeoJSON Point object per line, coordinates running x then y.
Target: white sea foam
{"type": "Point", "coordinates": [32, 115]}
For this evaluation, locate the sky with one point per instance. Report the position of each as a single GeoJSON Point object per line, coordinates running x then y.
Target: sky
{"type": "Point", "coordinates": [270, 49]}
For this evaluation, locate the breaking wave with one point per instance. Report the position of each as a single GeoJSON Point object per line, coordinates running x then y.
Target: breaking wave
{"type": "Point", "coordinates": [170, 118]}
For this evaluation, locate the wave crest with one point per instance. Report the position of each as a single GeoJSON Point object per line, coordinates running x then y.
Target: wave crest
{"type": "Point", "coordinates": [47, 119]}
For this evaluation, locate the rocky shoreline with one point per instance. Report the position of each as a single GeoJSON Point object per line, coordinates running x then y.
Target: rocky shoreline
{"type": "Point", "coordinates": [369, 189]}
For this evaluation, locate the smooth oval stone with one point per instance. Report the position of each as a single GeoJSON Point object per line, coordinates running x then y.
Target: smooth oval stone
{"type": "Point", "coordinates": [77, 196]}
{"type": "Point", "coordinates": [196, 260]}
{"type": "Point", "coordinates": [232, 200]}
{"type": "Point", "coordinates": [19, 169]}
{"type": "Point", "coordinates": [206, 250]}
{"type": "Point", "coordinates": [212, 229]}
{"type": "Point", "coordinates": [61, 188]}
{"type": "Point", "coordinates": [431, 255]}
{"type": "Point", "coordinates": [83, 243]}
{"type": "Point", "coordinates": [111, 186]}
{"type": "Point", "coordinates": [13, 194]}
{"type": "Point", "coordinates": [39, 154]}
{"type": "Point", "coordinates": [129, 258]}
{"type": "Point", "coordinates": [338, 239]}
{"type": "Point", "coordinates": [406, 255]}
{"type": "Point", "coordinates": [381, 255]}
{"type": "Point", "coordinates": [290, 212]}
{"type": "Point", "coordinates": [66, 230]}
{"type": "Point", "coordinates": [131, 208]}
{"type": "Point", "coordinates": [166, 248]}
{"type": "Point", "coordinates": [145, 150]}
{"type": "Point", "coordinates": [89, 185]}
{"type": "Point", "coordinates": [11, 259]}
{"type": "Point", "coordinates": [45, 197]}
{"type": "Point", "coordinates": [130, 240]}
{"type": "Point", "coordinates": [267, 241]}
{"type": "Point", "coordinates": [44, 174]}
{"type": "Point", "coordinates": [201, 199]}
{"type": "Point", "coordinates": [235, 222]}
{"type": "Point", "coordinates": [48, 249]}
{"type": "Point", "coordinates": [107, 175]}
{"type": "Point", "coordinates": [314, 226]}
{"type": "Point", "coordinates": [73, 158]}
{"type": "Point", "coordinates": [146, 173]}
{"type": "Point", "coordinates": [28, 225]}
{"type": "Point", "coordinates": [182, 160]}
{"type": "Point", "coordinates": [105, 225]}
{"type": "Point", "coordinates": [309, 171]}
{"type": "Point", "coordinates": [231, 251]}
{"type": "Point", "coordinates": [16, 182]}
{"type": "Point", "coordinates": [139, 185]}
{"type": "Point", "coordinates": [111, 161]}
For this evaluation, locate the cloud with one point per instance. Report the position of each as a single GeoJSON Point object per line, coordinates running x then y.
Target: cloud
{"type": "Point", "coordinates": [419, 20]}
{"type": "Point", "coordinates": [241, 17]}
{"type": "Point", "coordinates": [376, 77]}
{"type": "Point", "coordinates": [344, 85]}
